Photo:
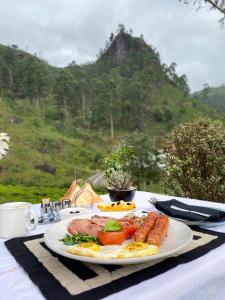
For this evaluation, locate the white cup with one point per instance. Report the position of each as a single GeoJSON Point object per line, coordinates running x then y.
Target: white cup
{"type": "Point", "coordinates": [15, 219]}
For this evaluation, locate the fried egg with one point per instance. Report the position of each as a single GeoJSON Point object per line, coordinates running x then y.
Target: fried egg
{"type": "Point", "coordinates": [137, 249]}
{"type": "Point", "coordinates": [94, 250]}
{"type": "Point", "coordinates": [131, 250]}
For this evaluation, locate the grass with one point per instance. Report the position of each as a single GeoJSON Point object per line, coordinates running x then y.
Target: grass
{"type": "Point", "coordinates": [32, 194]}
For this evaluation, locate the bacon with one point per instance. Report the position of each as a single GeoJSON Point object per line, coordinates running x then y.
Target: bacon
{"type": "Point", "coordinates": [159, 231]}
{"type": "Point", "coordinates": [142, 231]}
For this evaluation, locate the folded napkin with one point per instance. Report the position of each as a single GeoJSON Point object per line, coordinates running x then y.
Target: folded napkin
{"type": "Point", "coordinates": [176, 209]}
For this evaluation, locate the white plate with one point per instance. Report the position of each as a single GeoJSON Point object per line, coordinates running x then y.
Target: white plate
{"type": "Point", "coordinates": [179, 236]}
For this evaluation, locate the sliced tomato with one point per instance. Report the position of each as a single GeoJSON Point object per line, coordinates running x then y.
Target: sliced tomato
{"type": "Point", "coordinates": [129, 227]}
{"type": "Point", "coordinates": [129, 230]}
{"type": "Point", "coordinates": [111, 237]}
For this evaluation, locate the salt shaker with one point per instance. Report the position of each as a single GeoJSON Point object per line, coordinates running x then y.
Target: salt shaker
{"type": "Point", "coordinates": [49, 208]}
{"type": "Point", "coordinates": [66, 204]}
{"type": "Point", "coordinates": [44, 210]}
{"type": "Point", "coordinates": [56, 205]}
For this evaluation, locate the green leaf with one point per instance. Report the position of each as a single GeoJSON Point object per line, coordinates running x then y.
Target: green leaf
{"type": "Point", "coordinates": [112, 226]}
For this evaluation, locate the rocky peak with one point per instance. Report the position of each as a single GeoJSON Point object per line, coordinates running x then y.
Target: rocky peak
{"type": "Point", "coordinates": [124, 44]}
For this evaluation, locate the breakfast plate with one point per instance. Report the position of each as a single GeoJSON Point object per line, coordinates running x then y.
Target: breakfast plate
{"type": "Point", "coordinates": [179, 235]}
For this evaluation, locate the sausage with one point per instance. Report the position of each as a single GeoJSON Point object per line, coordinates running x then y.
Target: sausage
{"type": "Point", "coordinates": [159, 231]}
{"type": "Point", "coordinates": [142, 232]}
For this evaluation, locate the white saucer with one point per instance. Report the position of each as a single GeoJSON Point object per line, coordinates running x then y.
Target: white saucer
{"type": "Point", "coordinates": [71, 212]}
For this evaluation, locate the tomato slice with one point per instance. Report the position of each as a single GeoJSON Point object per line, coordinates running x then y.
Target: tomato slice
{"type": "Point", "coordinates": [129, 230]}
{"type": "Point", "coordinates": [111, 237]}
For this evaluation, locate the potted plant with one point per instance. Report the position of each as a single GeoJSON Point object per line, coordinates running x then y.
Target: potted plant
{"type": "Point", "coordinates": [120, 186]}
{"type": "Point", "coordinates": [117, 174]}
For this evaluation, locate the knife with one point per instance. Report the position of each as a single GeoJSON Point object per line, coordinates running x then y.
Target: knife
{"type": "Point", "coordinates": [191, 211]}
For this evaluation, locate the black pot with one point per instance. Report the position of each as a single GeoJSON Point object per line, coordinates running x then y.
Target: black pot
{"type": "Point", "coordinates": [125, 195]}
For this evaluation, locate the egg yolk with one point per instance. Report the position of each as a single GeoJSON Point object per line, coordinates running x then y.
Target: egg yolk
{"type": "Point", "coordinates": [136, 246]}
{"type": "Point", "coordinates": [90, 245]}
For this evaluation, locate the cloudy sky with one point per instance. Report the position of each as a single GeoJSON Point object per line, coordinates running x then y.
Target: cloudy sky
{"type": "Point", "coordinates": [64, 30]}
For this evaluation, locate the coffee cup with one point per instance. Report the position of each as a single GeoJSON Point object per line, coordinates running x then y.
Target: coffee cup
{"type": "Point", "coordinates": [16, 219]}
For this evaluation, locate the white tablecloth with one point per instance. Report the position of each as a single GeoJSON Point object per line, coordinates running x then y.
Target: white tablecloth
{"type": "Point", "coordinates": [203, 278]}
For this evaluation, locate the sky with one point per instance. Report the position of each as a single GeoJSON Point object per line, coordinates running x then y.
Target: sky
{"type": "Point", "coordinates": [61, 31]}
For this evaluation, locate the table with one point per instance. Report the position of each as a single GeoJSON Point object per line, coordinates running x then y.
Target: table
{"type": "Point", "coordinates": [201, 279]}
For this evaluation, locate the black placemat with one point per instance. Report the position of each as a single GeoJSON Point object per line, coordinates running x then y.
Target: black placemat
{"type": "Point", "coordinates": [59, 277]}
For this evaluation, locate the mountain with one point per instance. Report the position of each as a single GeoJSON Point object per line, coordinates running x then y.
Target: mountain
{"type": "Point", "coordinates": [214, 97]}
{"type": "Point", "coordinates": [62, 121]}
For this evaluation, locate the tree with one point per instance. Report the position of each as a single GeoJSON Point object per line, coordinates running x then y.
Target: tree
{"type": "Point", "coordinates": [218, 5]}
{"type": "Point", "coordinates": [113, 87]}
{"type": "Point", "coordinates": [111, 37]}
{"type": "Point", "coordinates": [34, 80]}
{"type": "Point", "coordinates": [65, 92]}
{"type": "Point", "coordinates": [205, 90]}
{"type": "Point", "coordinates": [179, 81]}
{"type": "Point", "coordinates": [145, 164]}
{"type": "Point", "coordinates": [9, 70]}
{"type": "Point", "coordinates": [182, 83]}
{"type": "Point", "coordinates": [121, 28]}
{"type": "Point", "coordinates": [99, 105]}
{"type": "Point", "coordinates": [2, 68]}
{"type": "Point", "coordinates": [195, 161]}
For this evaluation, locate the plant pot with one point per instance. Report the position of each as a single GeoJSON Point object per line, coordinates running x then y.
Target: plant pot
{"type": "Point", "coordinates": [125, 195]}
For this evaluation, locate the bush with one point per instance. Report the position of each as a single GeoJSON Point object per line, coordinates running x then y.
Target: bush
{"type": "Point", "coordinates": [116, 165]}
{"type": "Point", "coordinates": [195, 158]}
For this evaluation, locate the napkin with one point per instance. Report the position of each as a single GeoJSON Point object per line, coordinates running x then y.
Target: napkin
{"type": "Point", "coordinates": [180, 210]}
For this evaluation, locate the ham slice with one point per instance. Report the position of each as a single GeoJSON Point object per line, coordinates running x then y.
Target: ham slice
{"type": "Point", "coordinates": [101, 220]}
{"type": "Point", "coordinates": [94, 225]}
{"type": "Point", "coordinates": [83, 226]}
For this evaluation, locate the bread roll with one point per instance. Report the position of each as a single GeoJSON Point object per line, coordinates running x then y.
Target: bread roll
{"type": "Point", "coordinates": [88, 187]}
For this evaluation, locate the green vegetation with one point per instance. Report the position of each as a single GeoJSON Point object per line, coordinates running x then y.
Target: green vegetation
{"type": "Point", "coordinates": [63, 121]}
{"type": "Point", "coordinates": [79, 238]}
{"type": "Point", "coordinates": [195, 156]}
{"type": "Point", "coordinates": [116, 166]}
{"type": "Point", "coordinates": [213, 97]}
{"type": "Point", "coordinates": [39, 155]}
{"type": "Point", "coordinates": [138, 163]}
{"type": "Point", "coordinates": [9, 193]}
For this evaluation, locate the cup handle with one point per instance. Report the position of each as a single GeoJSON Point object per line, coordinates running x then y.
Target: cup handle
{"type": "Point", "coordinates": [31, 215]}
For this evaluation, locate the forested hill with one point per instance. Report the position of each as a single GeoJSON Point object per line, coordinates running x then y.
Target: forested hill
{"type": "Point", "coordinates": [126, 88]}
{"type": "Point", "coordinates": [62, 120]}
{"type": "Point", "coordinates": [213, 97]}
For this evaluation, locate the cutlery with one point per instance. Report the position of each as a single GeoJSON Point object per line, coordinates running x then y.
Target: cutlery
{"type": "Point", "coordinates": [153, 200]}
{"type": "Point", "coordinates": [191, 211]}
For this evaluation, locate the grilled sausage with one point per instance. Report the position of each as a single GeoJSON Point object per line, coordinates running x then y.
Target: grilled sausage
{"type": "Point", "coordinates": [142, 232]}
{"type": "Point", "coordinates": [159, 231]}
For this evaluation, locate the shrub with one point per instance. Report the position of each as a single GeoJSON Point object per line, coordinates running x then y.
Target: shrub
{"type": "Point", "coordinates": [117, 166]}
{"type": "Point", "coordinates": [195, 159]}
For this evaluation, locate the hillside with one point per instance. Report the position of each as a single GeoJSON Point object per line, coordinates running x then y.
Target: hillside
{"type": "Point", "coordinates": [214, 97]}
{"type": "Point", "coordinates": [39, 155]}
{"type": "Point", "coordinates": [62, 121]}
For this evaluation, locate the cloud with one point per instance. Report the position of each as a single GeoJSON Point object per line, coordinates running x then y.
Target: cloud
{"type": "Point", "coordinates": [64, 30]}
